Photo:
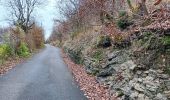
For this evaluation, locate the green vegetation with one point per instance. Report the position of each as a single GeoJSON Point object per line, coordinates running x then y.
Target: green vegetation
{"type": "Point", "coordinates": [124, 20]}
{"type": "Point", "coordinates": [123, 23]}
{"type": "Point", "coordinates": [122, 13]}
{"type": "Point", "coordinates": [5, 51]}
{"type": "Point", "coordinates": [166, 40]}
{"type": "Point", "coordinates": [18, 43]}
{"type": "Point", "coordinates": [98, 55]}
{"type": "Point", "coordinates": [23, 50]}
{"type": "Point", "coordinates": [75, 55]}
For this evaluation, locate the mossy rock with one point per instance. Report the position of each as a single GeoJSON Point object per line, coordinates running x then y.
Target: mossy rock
{"type": "Point", "coordinates": [120, 42]}
{"type": "Point", "coordinates": [75, 55]}
{"type": "Point", "coordinates": [104, 41]}
{"type": "Point", "coordinates": [98, 55]}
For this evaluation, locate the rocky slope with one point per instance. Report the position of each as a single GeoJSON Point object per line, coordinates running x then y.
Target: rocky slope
{"type": "Point", "coordinates": [137, 72]}
{"type": "Point", "coordinates": [135, 67]}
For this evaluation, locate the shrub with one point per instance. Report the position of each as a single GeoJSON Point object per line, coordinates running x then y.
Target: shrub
{"type": "Point", "coordinates": [5, 51]}
{"type": "Point", "coordinates": [9, 50]}
{"type": "Point", "coordinates": [123, 23]}
{"type": "Point", "coordinates": [23, 50]}
{"type": "Point", "coordinates": [122, 13]}
{"type": "Point", "coordinates": [2, 52]}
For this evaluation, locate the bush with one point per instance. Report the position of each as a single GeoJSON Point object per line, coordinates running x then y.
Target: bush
{"type": "Point", "coordinates": [23, 50]}
{"type": "Point", "coordinates": [123, 23]}
{"type": "Point", "coordinates": [122, 13]}
{"type": "Point", "coordinates": [2, 52]}
{"type": "Point", "coordinates": [5, 51]}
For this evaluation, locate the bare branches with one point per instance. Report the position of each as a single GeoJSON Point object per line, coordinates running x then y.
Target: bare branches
{"type": "Point", "coordinates": [21, 12]}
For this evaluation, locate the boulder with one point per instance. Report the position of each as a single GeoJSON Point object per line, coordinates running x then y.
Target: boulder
{"type": "Point", "coordinates": [134, 95]}
{"type": "Point", "coordinates": [129, 65]}
{"type": "Point", "coordinates": [104, 41]}
{"type": "Point", "coordinates": [114, 55]}
{"type": "Point", "coordinates": [141, 96]}
{"type": "Point", "coordinates": [139, 87]}
{"type": "Point", "coordinates": [167, 94]}
{"type": "Point", "coordinates": [167, 84]}
{"type": "Point", "coordinates": [106, 72]}
{"type": "Point", "coordinates": [160, 96]}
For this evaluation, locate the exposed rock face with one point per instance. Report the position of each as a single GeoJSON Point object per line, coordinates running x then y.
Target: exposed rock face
{"type": "Point", "coordinates": [130, 82]}
{"type": "Point", "coordinates": [137, 72]}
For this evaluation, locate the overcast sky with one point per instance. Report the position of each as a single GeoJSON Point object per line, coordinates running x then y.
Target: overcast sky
{"type": "Point", "coordinates": [43, 15]}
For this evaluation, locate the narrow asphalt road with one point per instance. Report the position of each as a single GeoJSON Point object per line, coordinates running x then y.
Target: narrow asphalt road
{"type": "Point", "coordinates": [43, 77]}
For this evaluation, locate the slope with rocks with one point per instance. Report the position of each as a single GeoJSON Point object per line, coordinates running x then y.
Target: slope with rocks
{"type": "Point", "coordinates": [137, 71]}
{"type": "Point", "coordinates": [130, 55]}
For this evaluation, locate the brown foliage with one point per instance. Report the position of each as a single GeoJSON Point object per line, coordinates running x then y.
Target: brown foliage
{"type": "Point", "coordinates": [37, 35]}
{"type": "Point", "coordinates": [34, 39]}
{"type": "Point", "coordinates": [84, 14]}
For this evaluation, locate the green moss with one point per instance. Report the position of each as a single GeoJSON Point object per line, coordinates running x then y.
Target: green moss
{"type": "Point", "coordinates": [98, 55]}
{"type": "Point", "coordinates": [166, 40]}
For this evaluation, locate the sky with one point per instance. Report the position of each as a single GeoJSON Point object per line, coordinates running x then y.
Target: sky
{"type": "Point", "coordinates": [44, 15]}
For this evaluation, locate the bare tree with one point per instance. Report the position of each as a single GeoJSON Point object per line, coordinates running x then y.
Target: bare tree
{"type": "Point", "coordinates": [22, 12]}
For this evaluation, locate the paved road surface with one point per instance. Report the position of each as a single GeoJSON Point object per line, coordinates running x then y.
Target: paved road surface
{"type": "Point", "coordinates": [43, 77]}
